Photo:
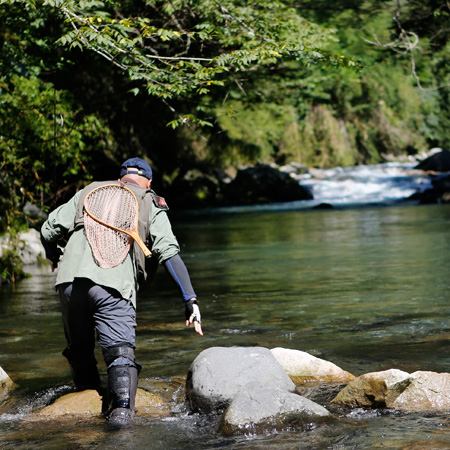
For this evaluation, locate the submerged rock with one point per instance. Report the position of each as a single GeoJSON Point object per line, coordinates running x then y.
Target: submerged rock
{"type": "Point", "coordinates": [303, 367]}
{"type": "Point", "coordinates": [90, 402]}
{"type": "Point", "coordinates": [373, 390]}
{"type": "Point", "coordinates": [218, 374]}
{"type": "Point", "coordinates": [260, 408]}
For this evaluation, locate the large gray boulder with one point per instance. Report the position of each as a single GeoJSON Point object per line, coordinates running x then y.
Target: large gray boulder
{"type": "Point", "coordinates": [261, 408]}
{"type": "Point", "coordinates": [218, 374]}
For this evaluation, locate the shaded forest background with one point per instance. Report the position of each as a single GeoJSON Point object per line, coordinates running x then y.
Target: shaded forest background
{"type": "Point", "coordinates": [211, 86]}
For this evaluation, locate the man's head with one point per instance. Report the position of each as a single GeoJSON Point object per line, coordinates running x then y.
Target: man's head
{"type": "Point", "coordinates": [138, 170]}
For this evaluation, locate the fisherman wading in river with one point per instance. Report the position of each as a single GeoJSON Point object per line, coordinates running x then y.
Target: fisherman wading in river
{"type": "Point", "coordinates": [112, 228]}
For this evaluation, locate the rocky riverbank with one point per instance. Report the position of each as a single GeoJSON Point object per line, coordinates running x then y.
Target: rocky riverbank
{"type": "Point", "coordinates": [263, 184]}
{"type": "Point", "coordinates": [256, 390]}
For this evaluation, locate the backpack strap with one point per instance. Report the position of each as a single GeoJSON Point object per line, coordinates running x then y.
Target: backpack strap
{"type": "Point", "coordinates": [147, 267]}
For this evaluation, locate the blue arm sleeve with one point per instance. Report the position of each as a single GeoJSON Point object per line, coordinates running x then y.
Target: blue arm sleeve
{"type": "Point", "coordinates": [179, 273]}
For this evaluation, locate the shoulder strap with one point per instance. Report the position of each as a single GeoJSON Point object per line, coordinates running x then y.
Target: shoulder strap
{"type": "Point", "coordinates": [147, 267]}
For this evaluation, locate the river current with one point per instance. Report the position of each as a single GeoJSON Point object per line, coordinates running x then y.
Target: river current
{"type": "Point", "coordinates": [366, 288]}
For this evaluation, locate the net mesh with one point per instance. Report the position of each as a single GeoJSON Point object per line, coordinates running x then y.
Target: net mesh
{"type": "Point", "coordinates": [115, 206]}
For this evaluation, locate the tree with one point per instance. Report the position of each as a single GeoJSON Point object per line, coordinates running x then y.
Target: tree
{"type": "Point", "coordinates": [46, 142]}
{"type": "Point", "coordinates": [177, 51]}
{"type": "Point", "coordinates": [180, 50]}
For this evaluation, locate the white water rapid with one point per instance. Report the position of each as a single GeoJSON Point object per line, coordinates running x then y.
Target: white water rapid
{"type": "Point", "coordinates": [384, 183]}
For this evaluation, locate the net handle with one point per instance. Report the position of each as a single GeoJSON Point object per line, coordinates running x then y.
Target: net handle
{"type": "Point", "coordinates": [133, 233]}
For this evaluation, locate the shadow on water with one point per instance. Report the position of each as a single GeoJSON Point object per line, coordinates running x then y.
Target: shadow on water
{"type": "Point", "coordinates": [366, 289]}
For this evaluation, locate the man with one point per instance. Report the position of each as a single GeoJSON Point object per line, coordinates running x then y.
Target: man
{"type": "Point", "coordinates": [103, 300]}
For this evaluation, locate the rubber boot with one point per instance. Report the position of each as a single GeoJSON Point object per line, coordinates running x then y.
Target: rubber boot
{"type": "Point", "coordinates": [86, 377]}
{"type": "Point", "coordinates": [122, 383]}
{"type": "Point", "coordinates": [122, 387]}
{"type": "Point", "coordinates": [83, 367]}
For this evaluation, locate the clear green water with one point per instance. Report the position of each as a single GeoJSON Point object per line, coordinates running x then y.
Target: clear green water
{"type": "Point", "coordinates": [367, 289]}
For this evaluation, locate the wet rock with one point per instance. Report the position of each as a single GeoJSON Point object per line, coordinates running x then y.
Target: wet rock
{"type": "Point", "coordinates": [75, 403]}
{"type": "Point", "coordinates": [6, 385]}
{"type": "Point", "coordinates": [438, 193]}
{"type": "Point", "coordinates": [89, 402]}
{"type": "Point", "coordinates": [439, 161]}
{"type": "Point", "coordinates": [170, 390]}
{"type": "Point", "coordinates": [441, 187]}
{"type": "Point", "coordinates": [149, 403]}
{"type": "Point", "coordinates": [426, 391]}
{"type": "Point", "coordinates": [218, 374]}
{"type": "Point", "coordinates": [260, 408]}
{"type": "Point", "coordinates": [320, 392]}
{"type": "Point", "coordinates": [303, 367]}
{"type": "Point", "coordinates": [374, 390]}
{"type": "Point", "coordinates": [263, 184]}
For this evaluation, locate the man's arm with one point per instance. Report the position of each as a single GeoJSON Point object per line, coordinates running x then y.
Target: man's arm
{"type": "Point", "coordinates": [179, 273]}
{"type": "Point", "coordinates": [166, 248]}
{"type": "Point", "coordinates": [52, 252]}
{"type": "Point", "coordinates": [56, 226]}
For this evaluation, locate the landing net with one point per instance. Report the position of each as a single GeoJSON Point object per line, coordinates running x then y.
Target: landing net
{"type": "Point", "coordinates": [111, 205]}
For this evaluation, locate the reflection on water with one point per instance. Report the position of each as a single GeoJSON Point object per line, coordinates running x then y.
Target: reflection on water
{"type": "Point", "coordinates": [366, 289]}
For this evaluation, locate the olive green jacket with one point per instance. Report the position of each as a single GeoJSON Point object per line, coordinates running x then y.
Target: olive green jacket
{"type": "Point", "coordinates": [78, 261]}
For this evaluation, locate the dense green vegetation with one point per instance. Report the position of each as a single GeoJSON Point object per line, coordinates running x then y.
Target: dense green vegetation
{"type": "Point", "coordinates": [203, 83]}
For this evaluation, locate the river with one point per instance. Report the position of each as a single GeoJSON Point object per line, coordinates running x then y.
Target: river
{"type": "Point", "coordinates": [366, 288]}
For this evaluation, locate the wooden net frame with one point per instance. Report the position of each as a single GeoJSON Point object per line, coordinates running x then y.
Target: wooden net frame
{"type": "Point", "coordinates": [111, 215]}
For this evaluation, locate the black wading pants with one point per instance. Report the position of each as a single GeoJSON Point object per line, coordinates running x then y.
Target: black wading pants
{"type": "Point", "coordinates": [89, 309]}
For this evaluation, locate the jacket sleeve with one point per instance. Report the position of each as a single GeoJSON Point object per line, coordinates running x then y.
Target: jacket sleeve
{"type": "Point", "coordinates": [60, 220]}
{"type": "Point", "coordinates": [164, 242]}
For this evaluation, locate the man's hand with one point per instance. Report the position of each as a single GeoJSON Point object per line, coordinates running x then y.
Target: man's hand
{"type": "Point", "coordinates": [192, 314]}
